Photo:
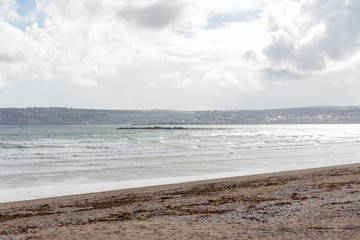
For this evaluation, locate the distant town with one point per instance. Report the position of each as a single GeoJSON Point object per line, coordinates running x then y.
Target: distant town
{"type": "Point", "coordinates": [70, 116]}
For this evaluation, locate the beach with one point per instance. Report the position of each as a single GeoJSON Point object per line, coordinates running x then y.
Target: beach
{"type": "Point", "coordinates": [321, 203]}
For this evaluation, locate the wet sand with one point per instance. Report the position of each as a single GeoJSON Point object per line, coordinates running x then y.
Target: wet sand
{"type": "Point", "coordinates": [321, 203]}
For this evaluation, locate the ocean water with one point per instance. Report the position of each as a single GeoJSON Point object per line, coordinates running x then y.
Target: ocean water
{"type": "Point", "coordinates": [47, 161]}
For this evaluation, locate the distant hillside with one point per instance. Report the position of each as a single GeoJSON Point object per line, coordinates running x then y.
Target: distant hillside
{"type": "Point", "coordinates": [68, 116]}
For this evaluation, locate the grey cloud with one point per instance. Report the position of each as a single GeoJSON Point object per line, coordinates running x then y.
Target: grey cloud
{"type": "Point", "coordinates": [272, 24]}
{"type": "Point", "coordinates": [11, 57]}
{"type": "Point", "coordinates": [250, 56]}
{"type": "Point", "coordinates": [308, 57]}
{"type": "Point", "coordinates": [7, 58]}
{"type": "Point", "coordinates": [342, 22]}
{"type": "Point", "coordinates": [158, 15]}
{"type": "Point", "coordinates": [343, 32]}
{"type": "Point", "coordinates": [279, 51]}
{"type": "Point", "coordinates": [341, 38]}
{"type": "Point", "coordinates": [280, 75]}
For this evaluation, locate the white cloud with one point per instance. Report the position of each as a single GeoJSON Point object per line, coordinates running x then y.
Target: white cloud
{"type": "Point", "coordinates": [8, 9]}
{"type": "Point", "coordinates": [13, 48]}
{"type": "Point", "coordinates": [221, 80]}
{"type": "Point", "coordinates": [316, 31]}
{"type": "Point", "coordinates": [187, 83]}
{"type": "Point", "coordinates": [220, 77]}
{"type": "Point", "coordinates": [130, 51]}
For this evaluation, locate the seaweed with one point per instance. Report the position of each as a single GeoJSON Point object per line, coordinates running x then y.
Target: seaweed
{"type": "Point", "coordinates": [331, 186]}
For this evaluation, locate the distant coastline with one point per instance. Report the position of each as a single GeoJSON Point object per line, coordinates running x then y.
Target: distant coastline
{"type": "Point", "coordinates": [71, 116]}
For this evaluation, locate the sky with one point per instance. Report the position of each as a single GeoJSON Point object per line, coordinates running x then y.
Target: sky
{"type": "Point", "coordinates": [179, 54]}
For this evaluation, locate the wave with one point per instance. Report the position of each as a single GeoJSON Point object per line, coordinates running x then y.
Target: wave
{"type": "Point", "coordinates": [12, 146]}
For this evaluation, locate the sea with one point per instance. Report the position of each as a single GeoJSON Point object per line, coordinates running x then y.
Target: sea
{"type": "Point", "coordinates": [47, 161]}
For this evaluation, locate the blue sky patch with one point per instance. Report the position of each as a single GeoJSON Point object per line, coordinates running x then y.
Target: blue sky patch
{"type": "Point", "coordinates": [25, 7]}
{"type": "Point", "coordinates": [221, 19]}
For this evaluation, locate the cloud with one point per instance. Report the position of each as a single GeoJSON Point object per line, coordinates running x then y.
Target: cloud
{"type": "Point", "coordinates": [13, 49]}
{"type": "Point", "coordinates": [90, 44]}
{"type": "Point", "coordinates": [158, 15]}
{"type": "Point", "coordinates": [164, 53]}
{"type": "Point", "coordinates": [308, 35]}
{"type": "Point", "coordinates": [280, 75]}
{"type": "Point", "coordinates": [342, 32]}
{"type": "Point", "coordinates": [8, 9]}
{"type": "Point", "coordinates": [280, 50]}
{"type": "Point", "coordinates": [222, 80]}
{"type": "Point", "coordinates": [220, 77]}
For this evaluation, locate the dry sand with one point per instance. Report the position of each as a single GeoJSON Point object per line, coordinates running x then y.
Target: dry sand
{"type": "Point", "coordinates": [319, 203]}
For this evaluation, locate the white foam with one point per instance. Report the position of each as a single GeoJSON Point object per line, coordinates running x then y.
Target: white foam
{"type": "Point", "coordinates": [56, 190]}
{"type": "Point", "coordinates": [101, 163]}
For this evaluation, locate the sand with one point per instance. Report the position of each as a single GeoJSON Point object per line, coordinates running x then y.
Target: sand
{"type": "Point", "coordinates": [319, 203]}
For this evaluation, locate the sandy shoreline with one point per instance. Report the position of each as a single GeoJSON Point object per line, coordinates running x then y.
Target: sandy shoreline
{"type": "Point", "coordinates": [321, 203]}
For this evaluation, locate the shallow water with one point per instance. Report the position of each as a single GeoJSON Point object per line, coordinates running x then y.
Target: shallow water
{"type": "Point", "coordinates": [45, 161]}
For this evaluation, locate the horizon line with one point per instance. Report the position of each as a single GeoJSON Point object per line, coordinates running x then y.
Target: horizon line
{"type": "Point", "coordinates": [183, 110]}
